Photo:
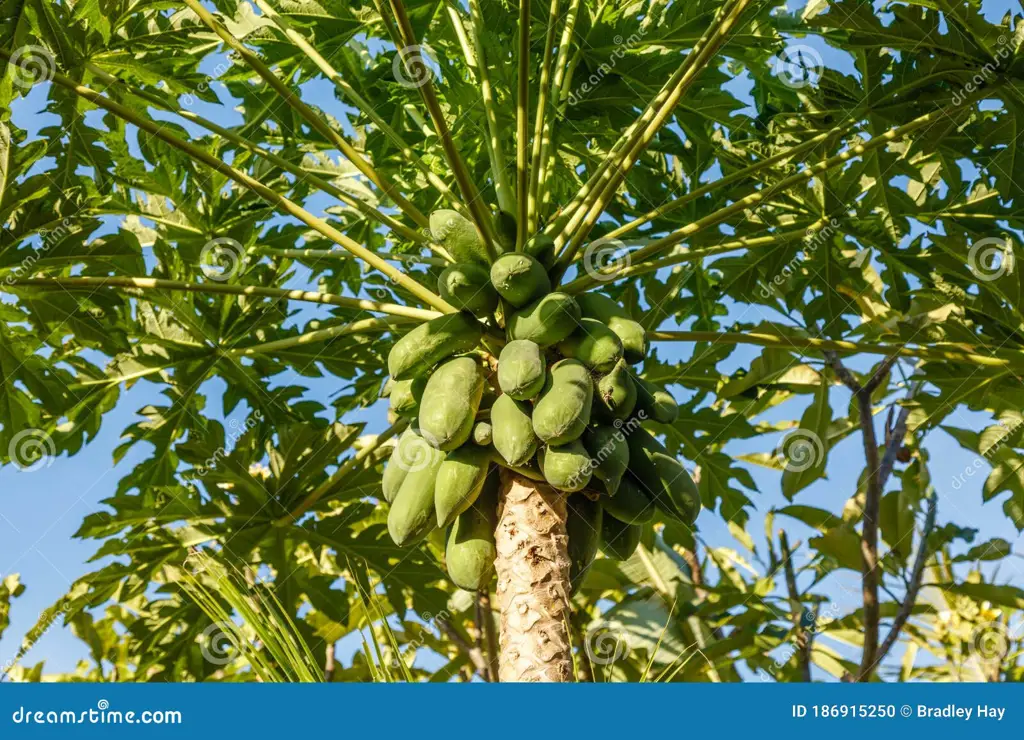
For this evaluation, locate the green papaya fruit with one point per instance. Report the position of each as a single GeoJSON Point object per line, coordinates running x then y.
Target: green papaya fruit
{"type": "Point", "coordinates": [471, 551]}
{"type": "Point", "coordinates": [632, 335]}
{"type": "Point", "coordinates": [562, 411]}
{"type": "Point", "coordinates": [618, 539]}
{"type": "Point", "coordinates": [542, 249]}
{"type": "Point", "coordinates": [506, 230]}
{"type": "Point", "coordinates": [412, 515]}
{"type": "Point", "coordinates": [656, 404]}
{"type": "Point", "coordinates": [438, 339]}
{"type": "Point", "coordinates": [459, 481]}
{"type": "Point", "coordinates": [566, 467]}
{"type": "Point", "coordinates": [483, 433]}
{"type": "Point", "coordinates": [512, 430]}
{"type": "Point", "coordinates": [467, 286]}
{"type": "Point", "coordinates": [450, 402]}
{"type": "Point", "coordinates": [521, 369]}
{"type": "Point", "coordinates": [546, 321]}
{"type": "Point", "coordinates": [661, 477]}
{"type": "Point", "coordinates": [519, 278]}
{"type": "Point", "coordinates": [629, 504]}
{"type": "Point", "coordinates": [405, 395]}
{"type": "Point", "coordinates": [609, 450]}
{"type": "Point", "coordinates": [616, 393]}
{"type": "Point", "coordinates": [398, 464]}
{"type": "Point", "coordinates": [459, 236]}
{"type": "Point", "coordinates": [593, 344]}
{"type": "Point", "coordinates": [583, 525]}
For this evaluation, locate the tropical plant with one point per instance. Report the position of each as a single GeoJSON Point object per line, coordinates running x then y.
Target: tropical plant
{"type": "Point", "coordinates": [256, 201]}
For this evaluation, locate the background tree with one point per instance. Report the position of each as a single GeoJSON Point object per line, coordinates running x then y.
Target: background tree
{"type": "Point", "coordinates": [233, 204]}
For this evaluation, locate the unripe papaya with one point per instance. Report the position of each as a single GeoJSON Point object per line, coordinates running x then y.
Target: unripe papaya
{"type": "Point", "coordinates": [661, 477]}
{"type": "Point", "coordinates": [618, 539]}
{"type": "Point", "coordinates": [583, 525]}
{"type": "Point", "coordinates": [609, 452]}
{"type": "Point", "coordinates": [563, 410]}
{"type": "Point", "coordinates": [459, 481]}
{"type": "Point", "coordinates": [656, 403]}
{"type": "Point", "coordinates": [459, 236]}
{"type": "Point", "coordinates": [593, 344]}
{"type": "Point", "coordinates": [412, 514]}
{"type": "Point", "coordinates": [512, 430]}
{"type": "Point", "coordinates": [418, 351]}
{"type": "Point", "coordinates": [467, 286]}
{"type": "Point", "coordinates": [482, 433]}
{"type": "Point", "coordinates": [398, 464]}
{"type": "Point", "coordinates": [611, 314]}
{"type": "Point", "coordinates": [566, 467]}
{"type": "Point", "coordinates": [450, 402]}
{"type": "Point", "coordinates": [521, 369]}
{"type": "Point", "coordinates": [542, 249]}
{"type": "Point", "coordinates": [519, 278]}
{"type": "Point", "coordinates": [405, 395]}
{"type": "Point", "coordinates": [616, 392]}
{"type": "Point", "coordinates": [629, 504]}
{"type": "Point", "coordinates": [471, 551]}
{"type": "Point", "coordinates": [546, 321]}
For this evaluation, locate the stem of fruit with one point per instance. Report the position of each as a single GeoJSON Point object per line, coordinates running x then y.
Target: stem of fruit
{"type": "Point", "coordinates": [361, 103]}
{"type": "Point", "coordinates": [418, 71]}
{"type": "Point", "coordinates": [146, 283]}
{"type": "Point", "coordinates": [365, 326]}
{"type": "Point", "coordinates": [335, 254]}
{"type": "Point", "coordinates": [308, 113]}
{"type": "Point", "coordinates": [268, 194]}
{"type": "Point", "coordinates": [538, 130]}
{"type": "Point", "coordinates": [506, 198]}
{"type": "Point", "coordinates": [284, 164]}
{"type": "Point", "coordinates": [523, 126]}
{"type": "Point", "coordinates": [532, 564]}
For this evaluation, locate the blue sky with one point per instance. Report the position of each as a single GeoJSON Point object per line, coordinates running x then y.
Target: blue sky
{"type": "Point", "coordinates": [40, 510]}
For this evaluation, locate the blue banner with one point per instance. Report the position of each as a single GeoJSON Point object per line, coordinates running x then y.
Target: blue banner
{"type": "Point", "coordinates": [428, 711]}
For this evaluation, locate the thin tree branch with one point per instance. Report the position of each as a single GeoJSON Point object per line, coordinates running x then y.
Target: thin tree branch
{"type": "Point", "coordinates": [523, 126]}
{"type": "Point", "coordinates": [796, 609]}
{"type": "Point", "coordinates": [915, 583]}
{"type": "Point", "coordinates": [361, 103]}
{"type": "Point", "coordinates": [416, 67]}
{"type": "Point", "coordinates": [366, 326]}
{"type": "Point", "coordinates": [474, 654]}
{"type": "Point", "coordinates": [335, 254]}
{"type": "Point", "coordinates": [308, 113]}
{"type": "Point", "coordinates": [145, 283]}
{"type": "Point", "coordinates": [485, 622]}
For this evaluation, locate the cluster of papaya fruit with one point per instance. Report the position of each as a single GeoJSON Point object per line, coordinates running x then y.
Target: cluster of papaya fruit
{"type": "Point", "coordinates": [554, 399]}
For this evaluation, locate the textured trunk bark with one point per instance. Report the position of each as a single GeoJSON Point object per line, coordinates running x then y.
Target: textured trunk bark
{"type": "Point", "coordinates": [533, 582]}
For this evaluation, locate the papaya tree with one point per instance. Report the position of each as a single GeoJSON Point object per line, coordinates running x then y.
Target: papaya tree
{"type": "Point", "coordinates": [576, 249]}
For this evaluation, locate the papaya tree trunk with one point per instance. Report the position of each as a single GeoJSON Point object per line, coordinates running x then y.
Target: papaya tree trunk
{"type": "Point", "coordinates": [533, 582]}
